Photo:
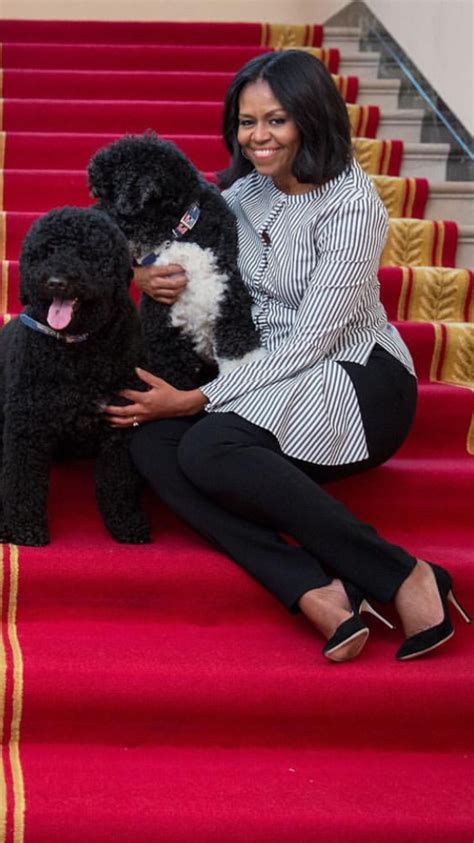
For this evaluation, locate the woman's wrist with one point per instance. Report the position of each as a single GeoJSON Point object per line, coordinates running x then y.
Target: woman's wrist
{"type": "Point", "coordinates": [193, 401]}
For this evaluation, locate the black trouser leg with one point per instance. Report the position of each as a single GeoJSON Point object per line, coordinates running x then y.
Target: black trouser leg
{"type": "Point", "coordinates": [287, 571]}
{"type": "Point", "coordinates": [241, 466]}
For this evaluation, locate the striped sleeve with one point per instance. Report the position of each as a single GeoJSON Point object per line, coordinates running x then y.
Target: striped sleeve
{"type": "Point", "coordinates": [349, 251]}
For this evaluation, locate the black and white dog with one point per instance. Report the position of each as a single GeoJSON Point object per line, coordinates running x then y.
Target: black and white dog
{"type": "Point", "coordinates": [170, 214]}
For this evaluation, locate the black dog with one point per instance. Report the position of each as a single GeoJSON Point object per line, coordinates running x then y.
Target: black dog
{"type": "Point", "coordinates": [73, 347]}
{"type": "Point", "coordinates": [169, 214]}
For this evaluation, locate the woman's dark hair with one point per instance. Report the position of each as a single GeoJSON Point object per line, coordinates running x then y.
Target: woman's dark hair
{"type": "Point", "coordinates": [306, 90]}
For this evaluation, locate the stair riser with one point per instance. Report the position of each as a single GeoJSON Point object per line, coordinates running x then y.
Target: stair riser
{"type": "Point", "coordinates": [426, 166]}
{"type": "Point", "coordinates": [465, 252]}
{"type": "Point", "coordinates": [445, 207]}
{"type": "Point", "coordinates": [408, 130]}
{"type": "Point", "coordinates": [363, 65]}
{"type": "Point", "coordinates": [164, 704]}
{"type": "Point", "coordinates": [372, 96]}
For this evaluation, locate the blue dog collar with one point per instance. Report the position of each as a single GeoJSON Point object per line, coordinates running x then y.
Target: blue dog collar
{"type": "Point", "coordinates": [186, 223]}
{"type": "Point", "coordinates": [50, 332]}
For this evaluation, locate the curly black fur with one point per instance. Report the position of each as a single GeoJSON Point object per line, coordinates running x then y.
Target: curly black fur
{"type": "Point", "coordinates": [51, 389]}
{"type": "Point", "coordinates": [146, 185]}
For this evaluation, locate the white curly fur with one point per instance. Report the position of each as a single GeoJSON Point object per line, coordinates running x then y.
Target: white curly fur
{"type": "Point", "coordinates": [197, 308]}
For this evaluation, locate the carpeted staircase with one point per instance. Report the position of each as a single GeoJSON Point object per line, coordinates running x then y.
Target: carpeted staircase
{"type": "Point", "coordinates": [157, 693]}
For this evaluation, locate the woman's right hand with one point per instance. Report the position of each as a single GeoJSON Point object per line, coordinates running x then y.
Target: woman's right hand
{"type": "Point", "coordinates": [162, 283]}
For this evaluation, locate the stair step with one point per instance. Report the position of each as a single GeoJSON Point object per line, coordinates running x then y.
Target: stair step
{"type": "Point", "coordinates": [381, 92]}
{"type": "Point", "coordinates": [146, 31]}
{"type": "Point", "coordinates": [453, 200]}
{"type": "Point", "coordinates": [363, 65]}
{"type": "Point", "coordinates": [119, 116]}
{"type": "Point", "coordinates": [128, 792]}
{"type": "Point", "coordinates": [195, 660]}
{"type": "Point", "coordinates": [465, 250]}
{"type": "Point", "coordinates": [425, 160]}
{"type": "Point", "coordinates": [144, 85]}
{"type": "Point", "coordinates": [40, 150]}
{"type": "Point", "coordinates": [135, 57]}
{"type": "Point", "coordinates": [403, 124]}
{"type": "Point", "coordinates": [15, 224]}
{"type": "Point", "coordinates": [342, 37]}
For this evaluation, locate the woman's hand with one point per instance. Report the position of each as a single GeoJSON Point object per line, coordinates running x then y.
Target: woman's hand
{"type": "Point", "coordinates": [160, 401]}
{"type": "Point", "coordinates": [162, 283]}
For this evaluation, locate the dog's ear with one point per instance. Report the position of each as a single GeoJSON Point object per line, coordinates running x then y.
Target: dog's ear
{"type": "Point", "coordinates": [24, 297]}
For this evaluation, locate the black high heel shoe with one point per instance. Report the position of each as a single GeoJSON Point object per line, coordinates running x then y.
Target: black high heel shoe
{"type": "Point", "coordinates": [429, 639]}
{"type": "Point", "coordinates": [350, 630]}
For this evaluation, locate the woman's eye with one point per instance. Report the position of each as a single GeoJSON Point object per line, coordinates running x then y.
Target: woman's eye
{"type": "Point", "coordinates": [245, 123]}
{"type": "Point", "coordinates": [278, 121]}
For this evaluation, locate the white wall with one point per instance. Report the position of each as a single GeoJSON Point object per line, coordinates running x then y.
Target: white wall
{"type": "Point", "coordinates": [438, 36]}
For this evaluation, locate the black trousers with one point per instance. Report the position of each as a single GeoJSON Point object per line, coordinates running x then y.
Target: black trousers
{"type": "Point", "coordinates": [231, 482]}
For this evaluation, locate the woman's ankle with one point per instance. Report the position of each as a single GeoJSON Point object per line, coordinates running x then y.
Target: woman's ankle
{"type": "Point", "coordinates": [417, 601]}
{"type": "Point", "coordinates": [326, 607]}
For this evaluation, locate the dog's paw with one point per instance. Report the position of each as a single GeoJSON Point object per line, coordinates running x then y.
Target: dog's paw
{"type": "Point", "coordinates": [28, 535]}
{"type": "Point", "coordinates": [133, 531]}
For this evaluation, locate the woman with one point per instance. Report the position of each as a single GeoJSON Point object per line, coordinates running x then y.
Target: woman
{"type": "Point", "coordinates": [336, 392]}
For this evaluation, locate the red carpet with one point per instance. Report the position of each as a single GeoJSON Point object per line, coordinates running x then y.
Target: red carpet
{"type": "Point", "coordinates": [157, 693]}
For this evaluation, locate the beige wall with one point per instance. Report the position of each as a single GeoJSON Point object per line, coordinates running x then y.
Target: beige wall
{"type": "Point", "coordinates": [436, 34]}
{"type": "Point", "coordinates": [273, 11]}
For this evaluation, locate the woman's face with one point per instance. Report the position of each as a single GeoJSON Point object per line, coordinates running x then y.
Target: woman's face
{"type": "Point", "coordinates": [268, 136]}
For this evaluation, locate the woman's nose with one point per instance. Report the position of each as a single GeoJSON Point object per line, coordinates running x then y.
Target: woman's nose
{"type": "Point", "coordinates": [260, 131]}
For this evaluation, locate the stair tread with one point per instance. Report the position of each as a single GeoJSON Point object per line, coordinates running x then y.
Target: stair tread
{"type": "Point", "coordinates": [189, 657]}
{"type": "Point", "coordinates": [232, 794]}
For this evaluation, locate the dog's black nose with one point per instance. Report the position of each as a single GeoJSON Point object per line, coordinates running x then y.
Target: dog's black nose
{"type": "Point", "coordinates": [58, 285]}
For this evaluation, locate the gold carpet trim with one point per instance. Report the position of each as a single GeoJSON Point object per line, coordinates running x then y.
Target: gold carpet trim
{"type": "Point", "coordinates": [409, 243]}
{"type": "Point", "coordinates": [402, 300]}
{"type": "Point", "coordinates": [1, 115]}
{"type": "Point", "coordinates": [392, 191]}
{"type": "Point", "coordinates": [370, 155]}
{"type": "Point", "coordinates": [453, 357]}
{"type": "Point", "coordinates": [1, 82]}
{"type": "Point", "coordinates": [3, 235]}
{"type": "Point", "coordinates": [4, 288]}
{"type": "Point", "coordinates": [2, 166]}
{"type": "Point", "coordinates": [14, 748]}
{"type": "Point", "coordinates": [397, 194]}
{"type": "Point", "coordinates": [318, 52]}
{"type": "Point", "coordinates": [440, 244]}
{"type": "Point", "coordinates": [281, 36]}
{"type": "Point", "coordinates": [9, 601]}
{"type": "Point", "coordinates": [434, 294]}
{"type": "Point", "coordinates": [3, 680]}
{"type": "Point", "coordinates": [341, 83]}
{"type": "Point", "coordinates": [470, 437]}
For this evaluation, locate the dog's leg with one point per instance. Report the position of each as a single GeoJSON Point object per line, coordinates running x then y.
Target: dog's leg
{"type": "Point", "coordinates": [236, 339]}
{"type": "Point", "coordinates": [25, 482]}
{"type": "Point", "coordinates": [118, 486]}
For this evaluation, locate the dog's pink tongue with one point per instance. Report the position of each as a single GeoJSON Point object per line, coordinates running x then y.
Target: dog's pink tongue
{"type": "Point", "coordinates": [60, 313]}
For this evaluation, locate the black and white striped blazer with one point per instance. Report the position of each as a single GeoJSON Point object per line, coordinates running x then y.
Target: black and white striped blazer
{"type": "Point", "coordinates": [310, 263]}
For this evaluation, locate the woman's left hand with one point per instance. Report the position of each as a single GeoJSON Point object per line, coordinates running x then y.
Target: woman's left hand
{"type": "Point", "coordinates": [160, 401]}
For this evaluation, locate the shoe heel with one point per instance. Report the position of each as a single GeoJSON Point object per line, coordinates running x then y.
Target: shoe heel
{"type": "Point", "coordinates": [365, 606]}
{"type": "Point", "coordinates": [456, 603]}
